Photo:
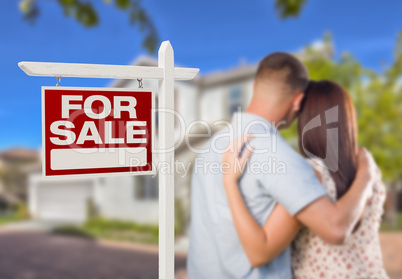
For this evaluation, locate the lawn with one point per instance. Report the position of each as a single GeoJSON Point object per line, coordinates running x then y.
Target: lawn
{"type": "Point", "coordinates": [113, 230]}
{"type": "Point", "coordinates": [9, 218]}
{"type": "Point", "coordinates": [390, 227]}
{"type": "Point", "coordinates": [134, 232]}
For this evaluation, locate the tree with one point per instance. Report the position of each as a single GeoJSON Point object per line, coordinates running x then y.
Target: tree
{"type": "Point", "coordinates": [380, 114]}
{"type": "Point", "coordinates": [289, 8]}
{"type": "Point", "coordinates": [378, 101]}
{"type": "Point", "coordinates": [85, 13]}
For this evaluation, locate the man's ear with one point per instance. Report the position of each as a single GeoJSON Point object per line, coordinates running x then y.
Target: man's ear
{"type": "Point", "coordinates": [297, 100]}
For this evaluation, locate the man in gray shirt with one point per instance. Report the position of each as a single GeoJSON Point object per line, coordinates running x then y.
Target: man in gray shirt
{"type": "Point", "coordinates": [278, 174]}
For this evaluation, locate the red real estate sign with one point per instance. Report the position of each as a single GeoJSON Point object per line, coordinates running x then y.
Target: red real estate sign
{"type": "Point", "coordinates": [97, 131]}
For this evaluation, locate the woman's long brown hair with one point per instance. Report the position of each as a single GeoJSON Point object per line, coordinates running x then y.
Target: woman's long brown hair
{"type": "Point", "coordinates": [321, 96]}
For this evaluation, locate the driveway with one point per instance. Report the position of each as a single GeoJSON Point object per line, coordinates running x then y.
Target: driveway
{"type": "Point", "coordinates": [38, 255]}
{"type": "Point", "coordinates": [391, 245]}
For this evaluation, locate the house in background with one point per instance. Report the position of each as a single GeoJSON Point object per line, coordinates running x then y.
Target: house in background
{"type": "Point", "coordinates": [13, 163]}
{"type": "Point", "coordinates": [210, 98]}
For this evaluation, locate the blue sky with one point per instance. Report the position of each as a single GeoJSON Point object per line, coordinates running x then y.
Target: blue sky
{"type": "Point", "coordinates": [210, 35]}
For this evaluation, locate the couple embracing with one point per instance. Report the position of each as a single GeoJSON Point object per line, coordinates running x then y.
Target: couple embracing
{"type": "Point", "coordinates": [318, 217]}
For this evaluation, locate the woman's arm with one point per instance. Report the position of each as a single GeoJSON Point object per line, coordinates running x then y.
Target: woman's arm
{"type": "Point", "coordinates": [261, 244]}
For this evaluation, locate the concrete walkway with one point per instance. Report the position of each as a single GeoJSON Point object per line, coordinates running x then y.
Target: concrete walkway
{"type": "Point", "coordinates": [391, 245]}
{"type": "Point", "coordinates": [36, 225]}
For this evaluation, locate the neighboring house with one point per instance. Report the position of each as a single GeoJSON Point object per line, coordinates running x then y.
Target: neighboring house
{"type": "Point", "coordinates": [210, 98]}
{"type": "Point", "coordinates": [13, 184]}
{"type": "Point", "coordinates": [18, 155]}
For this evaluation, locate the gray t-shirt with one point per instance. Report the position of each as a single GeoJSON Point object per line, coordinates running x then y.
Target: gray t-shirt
{"type": "Point", "coordinates": [275, 173]}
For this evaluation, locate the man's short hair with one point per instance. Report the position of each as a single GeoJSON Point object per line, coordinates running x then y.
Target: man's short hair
{"type": "Point", "coordinates": [285, 65]}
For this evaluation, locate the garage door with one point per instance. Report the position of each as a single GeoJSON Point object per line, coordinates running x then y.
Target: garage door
{"type": "Point", "coordinates": [63, 201]}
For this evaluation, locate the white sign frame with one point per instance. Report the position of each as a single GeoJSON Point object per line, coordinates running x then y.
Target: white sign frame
{"type": "Point", "coordinates": [105, 89]}
{"type": "Point", "coordinates": [166, 73]}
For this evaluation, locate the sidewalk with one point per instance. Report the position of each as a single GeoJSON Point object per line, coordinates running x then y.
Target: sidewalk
{"type": "Point", "coordinates": [391, 244]}
{"type": "Point", "coordinates": [39, 255]}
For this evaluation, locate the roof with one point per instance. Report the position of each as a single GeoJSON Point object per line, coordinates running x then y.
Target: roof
{"type": "Point", "coordinates": [235, 74]}
{"type": "Point", "coordinates": [19, 154]}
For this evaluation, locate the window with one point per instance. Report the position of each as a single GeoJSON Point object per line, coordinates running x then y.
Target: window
{"type": "Point", "coordinates": [145, 187]}
{"type": "Point", "coordinates": [235, 99]}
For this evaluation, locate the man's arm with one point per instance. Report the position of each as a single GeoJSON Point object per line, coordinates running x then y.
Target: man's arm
{"type": "Point", "coordinates": [260, 243]}
{"type": "Point", "coordinates": [334, 222]}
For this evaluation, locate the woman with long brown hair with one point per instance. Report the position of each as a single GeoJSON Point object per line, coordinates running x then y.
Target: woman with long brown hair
{"type": "Point", "coordinates": [328, 140]}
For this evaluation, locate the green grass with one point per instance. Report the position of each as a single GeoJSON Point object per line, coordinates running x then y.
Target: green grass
{"type": "Point", "coordinates": [5, 219]}
{"type": "Point", "coordinates": [113, 230]}
{"type": "Point", "coordinates": [389, 227]}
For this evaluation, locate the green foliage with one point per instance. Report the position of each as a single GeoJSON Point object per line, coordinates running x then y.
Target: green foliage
{"type": "Point", "coordinates": [122, 230]}
{"type": "Point", "coordinates": [92, 211]}
{"type": "Point", "coordinates": [289, 8]}
{"type": "Point", "coordinates": [18, 213]}
{"type": "Point", "coordinates": [179, 218]}
{"type": "Point", "coordinates": [377, 98]}
{"type": "Point", "coordinates": [380, 117]}
{"type": "Point", "coordinates": [29, 9]}
{"type": "Point", "coordinates": [83, 12]}
{"type": "Point", "coordinates": [106, 224]}
{"type": "Point", "coordinates": [9, 218]}
{"type": "Point", "coordinates": [113, 230]}
{"type": "Point", "coordinates": [393, 227]}
{"type": "Point", "coordinates": [72, 231]}
{"type": "Point", "coordinates": [123, 4]}
{"type": "Point", "coordinates": [22, 211]}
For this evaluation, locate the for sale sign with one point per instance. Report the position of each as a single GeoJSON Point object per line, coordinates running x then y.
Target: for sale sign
{"type": "Point", "coordinates": [97, 131]}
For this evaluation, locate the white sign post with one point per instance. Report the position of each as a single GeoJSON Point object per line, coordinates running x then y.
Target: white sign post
{"type": "Point", "coordinates": [166, 73]}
